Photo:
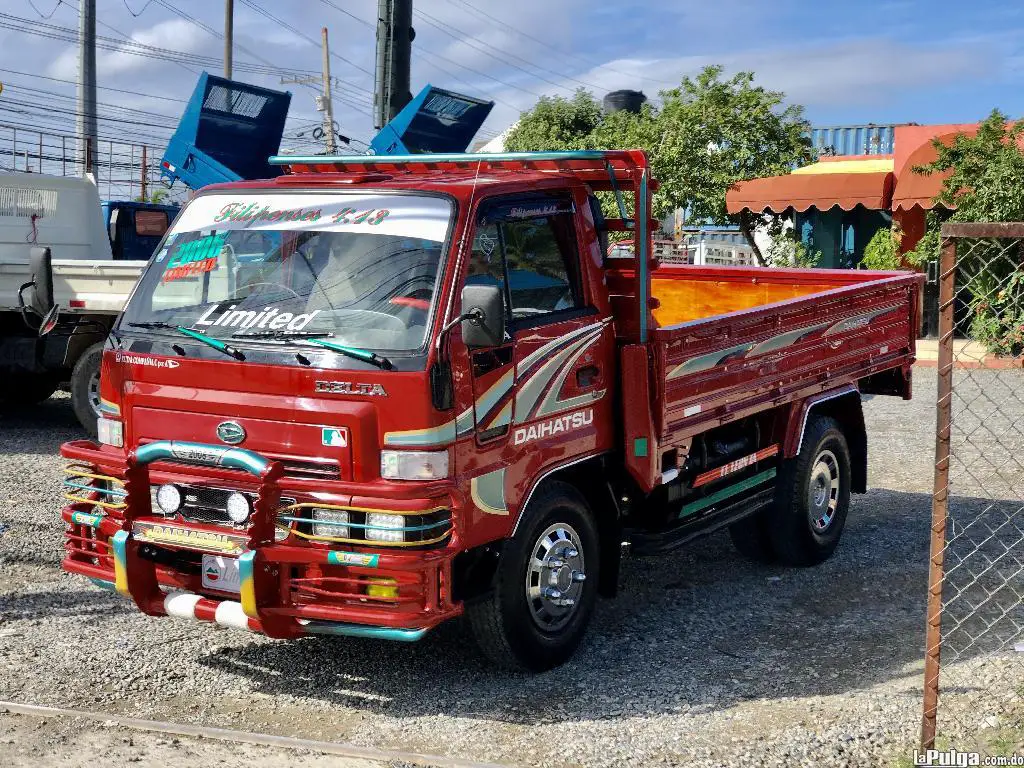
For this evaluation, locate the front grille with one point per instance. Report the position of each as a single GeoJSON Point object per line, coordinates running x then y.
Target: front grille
{"type": "Point", "coordinates": [209, 505]}
{"type": "Point", "coordinates": [309, 469]}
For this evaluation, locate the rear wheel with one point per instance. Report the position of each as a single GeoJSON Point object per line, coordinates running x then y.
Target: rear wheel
{"type": "Point", "coordinates": [545, 585]}
{"type": "Point", "coordinates": [812, 497]}
{"type": "Point", "coordinates": [85, 387]}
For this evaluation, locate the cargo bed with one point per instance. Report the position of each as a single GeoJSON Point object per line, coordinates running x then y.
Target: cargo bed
{"type": "Point", "coordinates": [729, 342]}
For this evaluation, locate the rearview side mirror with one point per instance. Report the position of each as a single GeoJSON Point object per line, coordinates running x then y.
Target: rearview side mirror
{"type": "Point", "coordinates": [40, 285]}
{"type": "Point", "coordinates": [112, 224]}
{"type": "Point", "coordinates": [483, 306]}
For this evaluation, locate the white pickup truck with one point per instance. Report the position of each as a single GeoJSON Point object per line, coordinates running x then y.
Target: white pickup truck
{"type": "Point", "coordinates": [62, 214]}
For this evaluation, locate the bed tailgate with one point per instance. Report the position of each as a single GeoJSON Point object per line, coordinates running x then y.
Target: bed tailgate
{"type": "Point", "coordinates": [721, 368]}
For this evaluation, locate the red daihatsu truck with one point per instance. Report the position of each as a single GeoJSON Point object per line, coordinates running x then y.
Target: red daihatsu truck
{"type": "Point", "coordinates": [377, 393]}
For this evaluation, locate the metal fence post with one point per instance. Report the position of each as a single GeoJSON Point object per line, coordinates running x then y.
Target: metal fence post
{"type": "Point", "coordinates": [940, 494]}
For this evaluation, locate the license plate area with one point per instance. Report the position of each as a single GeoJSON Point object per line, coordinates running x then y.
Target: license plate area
{"type": "Point", "coordinates": [221, 574]}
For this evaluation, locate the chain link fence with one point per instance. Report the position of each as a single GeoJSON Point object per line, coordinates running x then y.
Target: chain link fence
{"type": "Point", "coordinates": [974, 654]}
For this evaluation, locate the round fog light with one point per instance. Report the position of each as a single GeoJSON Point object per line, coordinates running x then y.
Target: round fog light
{"type": "Point", "coordinates": [238, 507]}
{"type": "Point", "coordinates": [168, 498]}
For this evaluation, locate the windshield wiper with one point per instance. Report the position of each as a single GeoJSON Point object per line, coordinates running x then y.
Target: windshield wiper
{"type": "Point", "coordinates": [217, 344]}
{"type": "Point", "coordinates": [313, 337]}
{"type": "Point", "coordinates": [281, 335]}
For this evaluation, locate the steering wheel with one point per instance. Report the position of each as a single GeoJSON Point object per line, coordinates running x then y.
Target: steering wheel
{"type": "Point", "coordinates": [292, 291]}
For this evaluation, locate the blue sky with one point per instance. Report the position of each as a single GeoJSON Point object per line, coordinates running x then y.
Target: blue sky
{"type": "Point", "coordinates": [850, 62]}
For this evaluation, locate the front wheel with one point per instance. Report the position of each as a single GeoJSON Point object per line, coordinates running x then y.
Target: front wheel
{"type": "Point", "coordinates": [545, 586]}
{"type": "Point", "coordinates": [812, 497]}
{"type": "Point", "coordinates": [85, 387]}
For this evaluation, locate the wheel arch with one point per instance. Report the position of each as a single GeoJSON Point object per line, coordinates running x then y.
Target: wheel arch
{"type": "Point", "coordinates": [589, 476]}
{"type": "Point", "coordinates": [846, 408]}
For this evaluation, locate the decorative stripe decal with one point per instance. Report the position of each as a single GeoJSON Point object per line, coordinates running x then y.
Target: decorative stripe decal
{"type": "Point", "coordinates": [109, 409]}
{"type": "Point", "coordinates": [488, 492]}
{"type": "Point", "coordinates": [727, 492]}
{"type": "Point", "coordinates": [247, 584]}
{"type": "Point", "coordinates": [734, 466]}
{"type": "Point", "coordinates": [530, 391]}
{"type": "Point", "coordinates": [855, 323]}
{"type": "Point", "coordinates": [447, 433]}
{"type": "Point", "coordinates": [119, 546]}
{"type": "Point", "coordinates": [753, 349]}
{"type": "Point", "coordinates": [709, 361]}
{"type": "Point", "coordinates": [542, 352]}
{"type": "Point", "coordinates": [503, 417]}
{"type": "Point", "coordinates": [551, 403]}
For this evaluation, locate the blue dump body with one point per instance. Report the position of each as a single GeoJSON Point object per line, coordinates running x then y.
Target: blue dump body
{"type": "Point", "coordinates": [436, 120]}
{"type": "Point", "coordinates": [227, 132]}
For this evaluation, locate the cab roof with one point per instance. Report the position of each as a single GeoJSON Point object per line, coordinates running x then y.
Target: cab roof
{"type": "Point", "coordinates": [457, 174]}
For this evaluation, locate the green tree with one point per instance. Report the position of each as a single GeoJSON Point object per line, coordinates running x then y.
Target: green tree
{"type": "Point", "coordinates": [709, 133]}
{"type": "Point", "coordinates": [157, 197]}
{"type": "Point", "coordinates": [985, 183]}
{"type": "Point", "coordinates": [556, 123]}
{"type": "Point", "coordinates": [718, 132]}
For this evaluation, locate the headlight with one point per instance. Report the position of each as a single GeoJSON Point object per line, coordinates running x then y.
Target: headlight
{"type": "Point", "coordinates": [109, 432]}
{"type": "Point", "coordinates": [332, 523]}
{"type": "Point", "coordinates": [384, 527]}
{"type": "Point", "coordinates": [238, 508]}
{"type": "Point", "coordinates": [168, 498]}
{"type": "Point", "coordinates": [413, 465]}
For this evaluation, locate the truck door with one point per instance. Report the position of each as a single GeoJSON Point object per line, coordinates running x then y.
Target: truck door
{"type": "Point", "coordinates": [535, 394]}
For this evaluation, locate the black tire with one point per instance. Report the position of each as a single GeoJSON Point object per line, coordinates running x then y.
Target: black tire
{"type": "Point", "coordinates": [812, 486]}
{"type": "Point", "coordinates": [85, 378]}
{"type": "Point", "coordinates": [27, 389]}
{"type": "Point", "coordinates": [751, 539]}
{"type": "Point", "coordinates": [508, 626]}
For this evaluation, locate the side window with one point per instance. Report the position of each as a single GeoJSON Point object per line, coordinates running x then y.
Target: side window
{"type": "Point", "coordinates": [541, 258]}
{"type": "Point", "coordinates": [530, 244]}
{"type": "Point", "coordinates": [485, 262]}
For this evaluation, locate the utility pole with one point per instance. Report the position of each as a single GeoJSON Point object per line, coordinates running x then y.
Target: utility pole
{"type": "Point", "coordinates": [394, 59]}
{"type": "Point", "coordinates": [327, 106]}
{"type": "Point", "coordinates": [229, 35]}
{"type": "Point", "coordinates": [86, 118]}
{"type": "Point", "coordinates": [323, 101]}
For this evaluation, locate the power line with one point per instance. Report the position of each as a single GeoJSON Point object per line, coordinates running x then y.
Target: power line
{"type": "Point", "coordinates": [129, 46]}
{"type": "Point", "coordinates": [467, 39]}
{"type": "Point", "coordinates": [266, 14]}
{"type": "Point", "coordinates": [568, 54]}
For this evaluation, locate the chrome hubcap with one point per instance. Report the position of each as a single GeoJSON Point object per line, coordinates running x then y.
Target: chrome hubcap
{"type": "Point", "coordinates": [555, 577]}
{"type": "Point", "coordinates": [823, 491]}
{"type": "Point", "coordinates": [94, 393]}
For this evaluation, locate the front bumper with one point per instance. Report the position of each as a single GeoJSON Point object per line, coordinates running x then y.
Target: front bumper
{"type": "Point", "coordinates": [288, 588]}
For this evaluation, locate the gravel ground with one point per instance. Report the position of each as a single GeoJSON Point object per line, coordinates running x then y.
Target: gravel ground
{"type": "Point", "coordinates": [703, 659]}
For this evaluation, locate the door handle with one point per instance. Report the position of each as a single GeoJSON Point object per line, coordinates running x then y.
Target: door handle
{"type": "Point", "coordinates": [587, 376]}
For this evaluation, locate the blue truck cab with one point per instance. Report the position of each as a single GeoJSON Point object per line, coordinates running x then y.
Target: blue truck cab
{"type": "Point", "coordinates": [135, 228]}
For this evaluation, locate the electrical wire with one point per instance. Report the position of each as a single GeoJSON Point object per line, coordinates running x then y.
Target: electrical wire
{"type": "Point", "coordinates": [266, 14]}
{"type": "Point", "coordinates": [480, 12]}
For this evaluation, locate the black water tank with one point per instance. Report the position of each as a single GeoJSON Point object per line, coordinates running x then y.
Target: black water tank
{"type": "Point", "coordinates": [631, 101]}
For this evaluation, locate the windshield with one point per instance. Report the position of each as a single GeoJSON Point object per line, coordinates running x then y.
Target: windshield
{"type": "Point", "coordinates": [358, 269]}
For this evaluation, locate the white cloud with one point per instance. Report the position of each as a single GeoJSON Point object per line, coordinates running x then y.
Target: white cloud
{"type": "Point", "coordinates": [174, 34]}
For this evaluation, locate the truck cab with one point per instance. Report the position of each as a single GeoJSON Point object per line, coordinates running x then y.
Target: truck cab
{"type": "Point", "coordinates": [374, 394]}
{"type": "Point", "coordinates": [135, 228]}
